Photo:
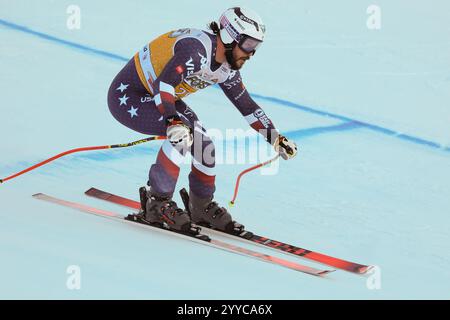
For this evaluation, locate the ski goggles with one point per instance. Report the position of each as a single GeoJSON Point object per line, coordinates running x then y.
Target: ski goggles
{"type": "Point", "coordinates": [249, 44]}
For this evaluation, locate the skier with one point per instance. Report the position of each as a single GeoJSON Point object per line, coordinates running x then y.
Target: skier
{"type": "Point", "coordinates": [147, 94]}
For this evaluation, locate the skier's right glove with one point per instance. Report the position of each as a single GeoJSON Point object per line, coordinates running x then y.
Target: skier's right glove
{"type": "Point", "coordinates": [287, 149]}
{"type": "Point", "coordinates": [178, 133]}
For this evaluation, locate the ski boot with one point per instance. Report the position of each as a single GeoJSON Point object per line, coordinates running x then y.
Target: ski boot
{"type": "Point", "coordinates": [205, 212]}
{"type": "Point", "coordinates": [163, 212]}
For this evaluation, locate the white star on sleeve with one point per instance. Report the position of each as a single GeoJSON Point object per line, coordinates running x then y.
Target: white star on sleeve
{"type": "Point", "coordinates": [122, 87]}
{"type": "Point", "coordinates": [123, 100]}
{"type": "Point", "coordinates": [133, 112]}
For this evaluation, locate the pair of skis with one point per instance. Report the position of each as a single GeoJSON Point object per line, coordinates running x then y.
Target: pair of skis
{"type": "Point", "coordinates": [206, 240]}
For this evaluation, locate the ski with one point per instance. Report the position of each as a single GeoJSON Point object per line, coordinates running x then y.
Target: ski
{"type": "Point", "coordinates": [250, 237]}
{"type": "Point", "coordinates": [199, 237]}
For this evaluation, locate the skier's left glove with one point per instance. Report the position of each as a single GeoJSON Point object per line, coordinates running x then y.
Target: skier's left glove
{"type": "Point", "coordinates": [178, 133]}
{"type": "Point", "coordinates": [287, 149]}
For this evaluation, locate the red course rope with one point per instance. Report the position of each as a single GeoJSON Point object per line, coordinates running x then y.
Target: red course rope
{"type": "Point", "coordinates": [236, 188]}
{"type": "Point", "coordinates": [80, 150]}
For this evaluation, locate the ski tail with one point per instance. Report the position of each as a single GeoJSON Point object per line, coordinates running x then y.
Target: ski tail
{"type": "Point", "coordinates": [99, 194]}
{"type": "Point", "coordinates": [78, 206]}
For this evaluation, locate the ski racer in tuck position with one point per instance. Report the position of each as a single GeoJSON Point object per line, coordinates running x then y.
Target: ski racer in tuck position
{"type": "Point", "coordinates": [147, 96]}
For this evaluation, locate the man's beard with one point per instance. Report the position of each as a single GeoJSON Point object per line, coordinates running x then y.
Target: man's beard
{"type": "Point", "coordinates": [232, 60]}
{"type": "Point", "coordinates": [235, 66]}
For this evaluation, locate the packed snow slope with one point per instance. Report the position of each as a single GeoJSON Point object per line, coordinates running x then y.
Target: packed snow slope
{"type": "Point", "coordinates": [369, 110]}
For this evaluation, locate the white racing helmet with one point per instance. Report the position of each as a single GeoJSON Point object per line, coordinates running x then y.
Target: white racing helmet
{"type": "Point", "coordinates": [243, 27]}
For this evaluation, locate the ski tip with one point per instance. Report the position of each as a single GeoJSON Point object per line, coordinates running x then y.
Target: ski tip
{"type": "Point", "coordinates": [325, 272]}
{"type": "Point", "coordinates": [365, 269]}
{"type": "Point", "coordinates": [37, 195]}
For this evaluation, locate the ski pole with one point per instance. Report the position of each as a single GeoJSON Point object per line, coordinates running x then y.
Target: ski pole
{"type": "Point", "coordinates": [236, 188]}
{"type": "Point", "coordinates": [60, 155]}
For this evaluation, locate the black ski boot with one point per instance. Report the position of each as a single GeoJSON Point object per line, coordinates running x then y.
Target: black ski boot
{"type": "Point", "coordinates": [205, 212]}
{"type": "Point", "coordinates": [163, 211]}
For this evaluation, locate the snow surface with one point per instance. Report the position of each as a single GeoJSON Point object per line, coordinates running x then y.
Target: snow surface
{"type": "Point", "coordinates": [369, 110]}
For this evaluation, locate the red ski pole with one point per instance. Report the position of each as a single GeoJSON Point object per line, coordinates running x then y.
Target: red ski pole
{"type": "Point", "coordinates": [236, 188]}
{"type": "Point", "coordinates": [60, 155]}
